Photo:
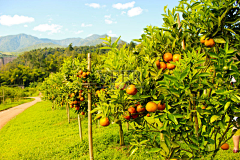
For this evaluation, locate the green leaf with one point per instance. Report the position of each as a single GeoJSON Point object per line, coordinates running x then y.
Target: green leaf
{"type": "Point", "coordinates": [226, 106]}
{"type": "Point", "coordinates": [219, 40]}
{"type": "Point", "coordinates": [184, 74]}
{"type": "Point", "coordinates": [214, 118]}
{"type": "Point", "coordinates": [133, 151]}
{"type": "Point", "coordinates": [170, 77]}
{"type": "Point", "coordinates": [213, 55]}
{"type": "Point", "coordinates": [193, 146]}
{"type": "Point", "coordinates": [153, 150]}
{"type": "Point", "coordinates": [154, 97]}
{"type": "Point", "coordinates": [173, 118]}
{"type": "Point", "coordinates": [201, 67]}
{"type": "Point", "coordinates": [144, 96]}
{"type": "Point", "coordinates": [204, 75]}
{"type": "Point", "coordinates": [164, 146]}
{"type": "Point", "coordinates": [144, 141]}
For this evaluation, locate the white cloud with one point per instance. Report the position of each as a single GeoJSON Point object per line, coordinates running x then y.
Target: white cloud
{"type": "Point", "coordinates": [16, 19]}
{"type": "Point", "coordinates": [134, 11]}
{"type": "Point", "coordinates": [86, 25]}
{"type": "Point", "coordinates": [107, 16]}
{"type": "Point", "coordinates": [53, 28]}
{"type": "Point", "coordinates": [89, 35]}
{"type": "Point", "coordinates": [123, 12]}
{"type": "Point", "coordinates": [50, 20]}
{"type": "Point", "coordinates": [124, 6]}
{"type": "Point", "coordinates": [111, 34]}
{"type": "Point", "coordinates": [104, 6]}
{"type": "Point", "coordinates": [78, 32]}
{"type": "Point", "coordinates": [94, 5]}
{"type": "Point", "coordinates": [25, 25]}
{"type": "Point", "coordinates": [108, 21]}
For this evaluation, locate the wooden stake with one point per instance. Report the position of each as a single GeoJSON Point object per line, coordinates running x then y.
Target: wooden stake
{"type": "Point", "coordinates": [80, 127]}
{"type": "Point", "coordinates": [68, 113]}
{"type": "Point", "coordinates": [179, 25]}
{"type": "Point", "coordinates": [89, 113]}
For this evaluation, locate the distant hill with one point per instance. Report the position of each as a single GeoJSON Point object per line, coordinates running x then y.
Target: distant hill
{"type": "Point", "coordinates": [41, 45]}
{"type": "Point", "coordinates": [23, 42]}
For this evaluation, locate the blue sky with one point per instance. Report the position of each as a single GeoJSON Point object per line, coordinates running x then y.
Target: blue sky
{"type": "Point", "coordinates": [60, 19]}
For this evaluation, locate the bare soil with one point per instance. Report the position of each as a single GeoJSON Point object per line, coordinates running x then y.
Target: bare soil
{"type": "Point", "coordinates": [10, 113]}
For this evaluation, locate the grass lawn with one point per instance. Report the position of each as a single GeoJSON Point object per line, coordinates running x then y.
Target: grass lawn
{"type": "Point", "coordinates": [13, 104]}
{"type": "Point", "coordinates": [42, 133]}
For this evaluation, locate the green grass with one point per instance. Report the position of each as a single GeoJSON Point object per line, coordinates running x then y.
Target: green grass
{"type": "Point", "coordinates": [43, 133]}
{"type": "Point", "coordinates": [13, 104]}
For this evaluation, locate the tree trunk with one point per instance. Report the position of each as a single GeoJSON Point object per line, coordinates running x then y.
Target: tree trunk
{"type": "Point", "coordinates": [121, 134]}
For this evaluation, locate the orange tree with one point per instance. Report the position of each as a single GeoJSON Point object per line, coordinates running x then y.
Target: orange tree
{"type": "Point", "coordinates": [200, 102]}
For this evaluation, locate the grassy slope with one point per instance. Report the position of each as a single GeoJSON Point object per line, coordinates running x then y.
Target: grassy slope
{"type": "Point", "coordinates": [13, 104]}
{"type": "Point", "coordinates": [41, 133]}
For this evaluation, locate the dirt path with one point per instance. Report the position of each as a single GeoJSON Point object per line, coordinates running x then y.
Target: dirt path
{"type": "Point", "coordinates": [8, 114]}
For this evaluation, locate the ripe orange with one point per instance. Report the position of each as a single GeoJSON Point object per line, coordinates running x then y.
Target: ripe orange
{"type": "Point", "coordinates": [209, 43]}
{"type": "Point", "coordinates": [131, 90]}
{"type": "Point", "coordinates": [131, 110]}
{"type": "Point", "coordinates": [71, 106]}
{"type": "Point", "coordinates": [140, 108]}
{"type": "Point", "coordinates": [151, 107]}
{"type": "Point", "coordinates": [203, 107]}
{"type": "Point", "coordinates": [167, 57]}
{"type": "Point", "coordinates": [77, 108]}
{"type": "Point", "coordinates": [163, 65]}
{"type": "Point", "coordinates": [134, 116]}
{"type": "Point", "coordinates": [80, 72]}
{"type": "Point", "coordinates": [126, 115]}
{"type": "Point", "coordinates": [97, 92]}
{"type": "Point", "coordinates": [80, 91]}
{"type": "Point", "coordinates": [161, 106]}
{"type": "Point", "coordinates": [158, 64]}
{"type": "Point", "coordinates": [176, 57]}
{"type": "Point", "coordinates": [82, 113]}
{"type": "Point", "coordinates": [104, 121]}
{"type": "Point", "coordinates": [170, 66]}
{"type": "Point", "coordinates": [75, 102]}
{"type": "Point", "coordinates": [148, 115]}
{"type": "Point", "coordinates": [82, 99]}
{"type": "Point", "coordinates": [225, 146]}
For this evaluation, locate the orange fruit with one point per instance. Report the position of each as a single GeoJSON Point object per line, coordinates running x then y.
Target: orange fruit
{"type": "Point", "coordinates": [134, 116]}
{"type": "Point", "coordinates": [126, 115]}
{"type": "Point", "coordinates": [170, 66]}
{"type": "Point", "coordinates": [162, 65]}
{"type": "Point", "coordinates": [82, 99]}
{"type": "Point", "coordinates": [140, 108]}
{"type": "Point", "coordinates": [209, 43]}
{"type": "Point", "coordinates": [158, 64]}
{"type": "Point", "coordinates": [71, 106]}
{"type": "Point", "coordinates": [225, 146]}
{"type": "Point", "coordinates": [77, 108]}
{"type": "Point", "coordinates": [82, 113]}
{"type": "Point", "coordinates": [148, 115]}
{"type": "Point", "coordinates": [104, 121]}
{"type": "Point", "coordinates": [131, 90]}
{"type": "Point", "coordinates": [151, 107]}
{"type": "Point", "coordinates": [97, 92]}
{"type": "Point", "coordinates": [203, 107]}
{"type": "Point", "coordinates": [80, 72]}
{"type": "Point", "coordinates": [84, 74]}
{"type": "Point", "coordinates": [80, 91]}
{"type": "Point", "coordinates": [167, 57]}
{"type": "Point", "coordinates": [161, 106]}
{"type": "Point", "coordinates": [131, 110]}
{"type": "Point", "coordinates": [176, 57]}
{"type": "Point", "coordinates": [75, 102]}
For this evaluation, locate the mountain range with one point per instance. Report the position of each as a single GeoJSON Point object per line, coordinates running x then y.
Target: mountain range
{"type": "Point", "coordinates": [24, 42]}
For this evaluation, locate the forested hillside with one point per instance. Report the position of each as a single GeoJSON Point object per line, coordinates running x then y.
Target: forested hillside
{"type": "Point", "coordinates": [35, 65]}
